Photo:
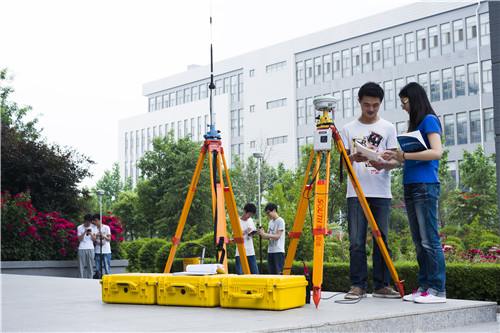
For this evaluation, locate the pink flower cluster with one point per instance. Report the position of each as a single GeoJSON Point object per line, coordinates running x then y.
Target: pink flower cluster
{"type": "Point", "coordinates": [472, 256]}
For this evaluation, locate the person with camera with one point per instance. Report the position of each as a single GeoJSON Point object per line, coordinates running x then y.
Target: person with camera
{"type": "Point", "coordinates": [102, 253]}
{"type": "Point", "coordinates": [86, 237]}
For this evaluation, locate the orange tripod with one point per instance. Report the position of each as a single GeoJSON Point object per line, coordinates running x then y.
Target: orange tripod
{"type": "Point", "coordinates": [324, 132]}
{"type": "Point", "coordinates": [220, 196]}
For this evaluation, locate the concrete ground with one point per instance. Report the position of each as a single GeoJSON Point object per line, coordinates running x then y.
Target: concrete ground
{"type": "Point", "coordinates": [51, 304]}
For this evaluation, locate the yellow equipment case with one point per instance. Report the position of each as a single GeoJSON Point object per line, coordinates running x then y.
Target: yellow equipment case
{"type": "Point", "coordinates": [268, 292]}
{"type": "Point", "coordinates": [189, 290]}
{"type": "Point", "coordinates": [133, 288]}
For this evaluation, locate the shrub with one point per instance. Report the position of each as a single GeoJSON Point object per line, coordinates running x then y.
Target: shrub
{"type": "Point", "coordinates": [449, 230]}
{"type": "Point", "coordinates": [162, 257]}
{"type": "Point", "coordinates": [133, 249]}
{"type": "Point", "coordinates": [31, 235]}
{"type": "Point", "coordinates": [453, 241]}
{"type": "Point", "coordinates": [147, 254]}
{"type": "Point", "coordinates": [116, 227]}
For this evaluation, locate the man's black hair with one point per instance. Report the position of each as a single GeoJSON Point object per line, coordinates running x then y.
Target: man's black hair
{"type": "Point", "coordinates": [270, 207]}
{"type": "Point", "coordinates": [371, 89]}
{"type": "Point", "coordinates": [87, 217]}
{"type": "Point", "coordinates": [96, 216]}
{"type": "Point", "coordinates": [250, 208]}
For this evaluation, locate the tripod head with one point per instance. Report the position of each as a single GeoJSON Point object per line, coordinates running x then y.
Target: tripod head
{"type": "Point", "coordinates": [323, 133]}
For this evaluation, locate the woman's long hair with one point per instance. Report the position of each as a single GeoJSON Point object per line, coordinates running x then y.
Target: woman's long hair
{"type": "Point", "coordinates": [420, 106]}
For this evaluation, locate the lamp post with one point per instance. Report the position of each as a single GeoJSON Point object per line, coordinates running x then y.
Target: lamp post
{"type": "Point", "coordinates": [100, 193]}
{"type": "Point", "coordinates": [258, 156]}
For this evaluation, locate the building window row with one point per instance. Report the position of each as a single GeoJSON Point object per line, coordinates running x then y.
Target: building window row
{"type": "Point", "coordinates": [276, 103]}
{"type": "Point", "coordinates": [276, 67]}
{"type": "Point", "coordinates": [421, 44]}
{"type": "Point", "coordinates": [277, 140]}
{"type": "Point", "coordinates": [237, 122]}
{"type": "Point", "coordinates": [465, 127]}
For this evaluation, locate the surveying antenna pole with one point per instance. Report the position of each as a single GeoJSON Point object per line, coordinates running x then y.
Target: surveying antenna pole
{"type": "Point", "coordinates": [220, 194]}
{"type": "Point", "coordinates": [322, 138]}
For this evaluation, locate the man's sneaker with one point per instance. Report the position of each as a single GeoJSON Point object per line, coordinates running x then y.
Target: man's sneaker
{"type": "Point", "coordinates": [355, 293]}
{"type": "Point", "coordinates": [427, 298]}
{"type": "Point", "coordinates": [386, 292]}
{"type": "Point", "coordinates": [411, 297]}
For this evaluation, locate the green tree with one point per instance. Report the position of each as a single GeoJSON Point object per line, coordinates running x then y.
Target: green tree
{"type": "Point", "coordinates": [126, 208]}
{"type": "Point", "coordinates": [476, 197]}
{"type": "Point", "coordinates": [112, 186]}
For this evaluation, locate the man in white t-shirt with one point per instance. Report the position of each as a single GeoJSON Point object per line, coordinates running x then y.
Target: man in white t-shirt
{"type": "Point", "coordinates": [86, 236]}
{"type": "Point", "coordinates": [374, 178]}
{"type": "Point", "coordinates": [276, 235]}
{"type": "Point", "coordinates": [248, 229]}
{"type": "Point", "coordinates": [104, 236]}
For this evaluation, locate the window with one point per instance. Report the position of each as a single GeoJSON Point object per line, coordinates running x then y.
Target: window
{"type": "Point", "coordinates": [148, 143]}
{"type": "Point", "coordinates": [275, 67]}
{"type": "Point", "coordinates": [301, 112]}
{"type": "Point", "coordinates": [317, 70]}
{"type": "Point", "coordinates": [179, 130]}
{"type": "Point", "coordinates": [336, 65]}
{"type": "Point", "coordinates": [171, 99]}
{"type": "Point", "coordinates": [251, 73]}
{"type": "Point", "coordinates": [398, 50]}
{"type": "Point", "coordinates": [126, 146]}
{"type": "Point", "coordinates": [489, 126]}
{"type": "Point", "coordinates": [475, 126]}
{"type": "Point", "coordinates": [410, 78]}
{"type": "Point", "coordinates": [309, 72]}
{"type": "Point", "coordinates": [365, 58]}
{"type": "Point", "coordinates": [234, 123]}
{"type": "Point", "coordinates": [158, 102]}
{"type": "Point", "coordinates": [126, 172]}
{"type": "Point", "coordinates": [445, 38]}
{"type": "Point", "coordinates": [356, 61]}
{"type": "Point", "coordinates": [143, 141]}
{"type": "Point", "coordinates": [310, 111]}
{"type": "Point", "coordinates": [460, 81]}
{"type": "Point", "coordinates": [400, 83]}
{"type": "Point", "coordinates": [487, 76]}
{"type": "Point", "coordinates": [179, 95]}
{"type": "Point", "coordinates": [152, 104]}
{"type": "Point", "coordinates": [458, 35]}
{"type": "Point", "coordinates": [219, 88]}
{"type": "Point", "coordinates": [376, 55]}
{"type": "Point", "coordinates": [461, 128]}
{"type": "Point", "coordinates": [447, 84]}
{"type": "Point", "coordinates": [154, 132]}
{"type": "Point", "coordinates": [357, 107]}
{"type": "Point", "coordinates": [233, 82]}
{"type": "Point", "coordinates": [471, 32]}
{"type": "Point", "coordinates": [473, 78]}
{"type": "Point", "coordinates": [198, 134]}
{"type": "Point", "coordinates": [186, 127]}
{"type": "Point", "coordinates": [192, 129]}
{"type": "Point", "coordinates": [326, 67]}
{"type": "Point", "coordinates": [449, 130]}
{"type": "Point", "coordinates": [276, 103]}
{"type": "Point", "coordinates": [347, 103]}
{"type": "Point", "coordinates": [423, 80]}
{"type": "Point", "coordinates": [389, 94]}
{"type": "Point", "coordinates": [484, 29]}
{"type": "Point", "coordinates": [227, 86]}
{"type": "Point", "coordinates": [433, 41]}
{"type": "Point", "coordinates": [240, 86]}
{"type": "Point", "coordinates": [300, 143]}
{"type": "Point", "coordinates": [452, 169]}
{"type": "Point", "coordinates": [435, 86]}
{"type": "Point", "coordinates": [421, 44]}
{"type": "Point", "coordinates": [195, 93]}
{"type": "Point", "coordinates": [252, 144]}
{"type": "Point", "coordinates": [299, 70]}
{"type": "Point", "coordinates": [252, 108]}
{"type": "Point", "coordinates": [277, 140]}
{"type": "Point", "coordinates": [387, 50]}
{"type": "Point", "coordinates": [137, 143]}
{"type": "Point", "coordinates": [346, 63]}
{"type": "Point", "coordinates": [401, 127]}
{"type": "Point", "coordinates": [410, 47]}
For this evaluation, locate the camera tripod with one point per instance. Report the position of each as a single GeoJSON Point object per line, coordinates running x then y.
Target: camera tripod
{"type": "Point", "coordinates": [325, 130]}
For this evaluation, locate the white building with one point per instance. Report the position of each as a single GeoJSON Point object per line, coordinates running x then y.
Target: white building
{"type": "Point", "coordinates": [263, 99]}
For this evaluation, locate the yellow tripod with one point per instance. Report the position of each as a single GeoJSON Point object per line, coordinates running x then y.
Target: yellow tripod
{"type": "Point", "coordinates": [220, 195]}
{"type": "Point", "coordinates": [325, 129]}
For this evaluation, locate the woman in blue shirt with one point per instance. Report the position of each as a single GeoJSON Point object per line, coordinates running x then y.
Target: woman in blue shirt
{"type": "Point", "coordinates": [421, 192]}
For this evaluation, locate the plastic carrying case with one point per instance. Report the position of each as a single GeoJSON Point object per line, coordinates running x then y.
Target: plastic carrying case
{"type": "Point", "coordinates": [189, 290]}
{"type": "Point", "coordinates": [268, 292]}
{"type": "Point", "coordinates": [132, 288]}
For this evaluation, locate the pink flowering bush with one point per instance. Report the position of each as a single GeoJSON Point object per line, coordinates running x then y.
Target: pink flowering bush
{"type": "Point", "coordinates": [473, 256]}
{"type": "Point", "coordinates": [117, 228]}
{"type": "Point", "coordinates": [31, 235]}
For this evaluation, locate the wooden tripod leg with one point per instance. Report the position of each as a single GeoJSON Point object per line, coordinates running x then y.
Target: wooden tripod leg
{"type": "Point", "coordinates": [368, 213]}
{"type": "Point", "coordinates": [185, 210]}
{"type": "Point", "coordinates": [298, 223]}
{"type": "Point", "coordinates": [235, 221]}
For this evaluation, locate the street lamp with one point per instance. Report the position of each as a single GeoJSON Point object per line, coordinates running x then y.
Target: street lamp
{"type": "Point", "coordinates": [100, 193]}
{"type": "Point", "coordinates": [259, 156]}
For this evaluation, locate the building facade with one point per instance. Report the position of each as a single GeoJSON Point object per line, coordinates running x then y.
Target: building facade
{"type": "Point", "coordinates": [263, 99]}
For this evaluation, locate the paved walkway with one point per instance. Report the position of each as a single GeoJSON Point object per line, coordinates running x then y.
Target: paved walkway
{"type": "Point", "coordinates": [51, 304]}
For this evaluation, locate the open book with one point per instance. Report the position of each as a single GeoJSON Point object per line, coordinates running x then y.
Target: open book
{"type": "Point", "coordinates": [366, 152]}
{"type": "Point", "coordinates": [412, 142]}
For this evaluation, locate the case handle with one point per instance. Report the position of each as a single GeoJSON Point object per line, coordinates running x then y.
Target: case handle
{"type": "Point", "coordinates": [189, 287]}
{"type": "Point", "coordinates": [249, 296]}
{"type": "Point", "coordinates": [133, 287]}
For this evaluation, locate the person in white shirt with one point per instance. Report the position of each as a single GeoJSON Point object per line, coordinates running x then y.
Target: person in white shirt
{"type": "Point", "coordinates": [248, 229]}
{"type": "Point", "coordinates": [102, 253]}
{"type": "Point", "coordinates": [276, 235]}
{"type": "Point", "coordinates": [86, 236]}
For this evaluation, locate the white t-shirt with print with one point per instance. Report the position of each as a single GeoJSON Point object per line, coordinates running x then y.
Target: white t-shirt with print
{"type": "Point", "coordinates": [276, 245]}
{"type": "Point", "coordinates": [248, 240]}
{"type": "Point", "coordinates": [106, 247]}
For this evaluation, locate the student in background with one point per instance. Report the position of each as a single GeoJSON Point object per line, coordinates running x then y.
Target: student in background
{"type": "Point", "coordinates": [276, 235]}
{"type": "Point", "coordinates": [86, 236]}
{"type": "Point", "coordinates": [104, 235]}
{"type": "Point", "coordinates": [248, 229]}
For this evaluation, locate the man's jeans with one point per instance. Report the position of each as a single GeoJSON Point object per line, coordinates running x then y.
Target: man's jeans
{"type": "Point", "coordinates": [421, 202]}
{"type": "Point", "coordinates": [107, 263]}
{"type": "Point", "coordinates": [275, 262]}
{"type": "Point", "coordinates": [252, 262]}
{"type": "Point", "coordinates": [357, 226]}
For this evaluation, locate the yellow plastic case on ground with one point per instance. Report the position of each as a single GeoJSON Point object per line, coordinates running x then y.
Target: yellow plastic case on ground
{"type": "Point", "coordinates": [269, 292]}
{"type": "Point", "coordinates": [133, 288]}
{"type": "Point", "coordinates": [190, 290]}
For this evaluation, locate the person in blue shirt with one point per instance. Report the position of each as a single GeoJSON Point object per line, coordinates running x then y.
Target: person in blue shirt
{"type": "Point", "coordinates": [421, 194]}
